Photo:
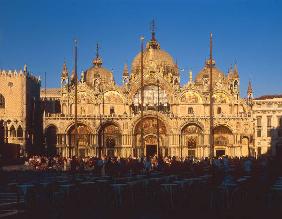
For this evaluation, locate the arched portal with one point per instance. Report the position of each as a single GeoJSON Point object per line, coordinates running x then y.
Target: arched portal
{"type": "Point", "coordinates": [83, 139]}
{"type": "Point", "coordinates": [51, 139]}
{"type": "Point", "coordinates": [191, 138]}
{"type": "Point", "coordinates": [154, 135]}
{"type": "Point", "coordinates": [223, 138]}
{"type": "Point", "coordinates": [110, 139]}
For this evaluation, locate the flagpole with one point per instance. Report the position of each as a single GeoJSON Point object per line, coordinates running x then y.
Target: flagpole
{"type": "Point", "coordinates": [211, 101]}
{"type": "Point", "coordinates": [75, 98]}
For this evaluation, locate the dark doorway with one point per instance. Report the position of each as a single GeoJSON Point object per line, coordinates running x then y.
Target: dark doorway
{"type": "Point", "coordinates": [2, 133]}
{"type": "Point", "coordinates": [151, 150]}
{"type": "Point", "coordinates": [191, 153]}
{"type": "Point", "coordinates": [51, 140]}
{"type": "Point", "coordinates": [220, 153]}
{"type": "Point", "coordinates": [81, 152]}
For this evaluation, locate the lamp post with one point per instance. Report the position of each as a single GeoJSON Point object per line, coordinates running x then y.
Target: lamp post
{"type": "Point", "coordinates": [101, 145]}
{"type": "Point", "coordinates": [142, 92]}
{"type": "Point", "coordinates": [211, 101]}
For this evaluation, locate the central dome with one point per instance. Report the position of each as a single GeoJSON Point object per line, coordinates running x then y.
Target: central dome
{"type": "Point", "coordinates": [150, 55]}
{"type": "Point", "coordinates": [154, 59]}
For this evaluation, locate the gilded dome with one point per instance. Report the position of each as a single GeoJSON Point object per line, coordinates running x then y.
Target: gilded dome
{"type": "Point", "coordinates": [98, 74]}
{"type": "Point", "coordinates": [205, 73]}
{"type": "Point", "coordinates": [155, 59]}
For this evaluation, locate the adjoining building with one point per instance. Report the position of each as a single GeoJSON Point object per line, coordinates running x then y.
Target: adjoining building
{"type": "Point", "coordinates": [20, 111]}
{"type": "Point", "coordinates": [175, 120]}
{"type": "Point", "coordinates": [267, 114]}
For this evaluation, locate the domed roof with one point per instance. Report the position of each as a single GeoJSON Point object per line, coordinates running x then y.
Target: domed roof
{"type": "Point", "coordinates": [150, 55]}
{"type": "Point", "coordinates": [205, 73]}
{"type": "Point", "coordinates": [153, 57]}
{"type": "Point", "coordinates": [97, 72]}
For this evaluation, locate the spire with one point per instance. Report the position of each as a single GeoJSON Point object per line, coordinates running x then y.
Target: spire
{"type": "Point", "coordinates": [235, 70]}
{"type": "Point", "coordinates": [25, 68]}
{"type": "Point", "coordinates": [190, 76]}
{"type": "Point", "coordinates": [125, 71]}
{"type": "Point", "coordinates": [250, 94]}
{"type": "Point", "coordinates": [65, 73]}
{"type": "Point", "coordinates": [97, 61]}
{"type": "Point", "coordinates": [153, 44]}
{"type": "Point", "coordinates": [153, 30]}
{"type": "Point", "coordinates": [73, 76]}
{"type": "Point", "coordinates": [250, 89]}
{"type": "Point", "coordinates": [125, 75]}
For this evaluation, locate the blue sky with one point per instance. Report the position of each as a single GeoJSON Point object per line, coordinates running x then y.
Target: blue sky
{"type": "Point", "coordinates": [41, 33]}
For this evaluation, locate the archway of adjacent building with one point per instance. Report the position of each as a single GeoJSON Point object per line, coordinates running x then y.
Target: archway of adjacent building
{"type": "Point", "coordinates": [81, 147]}
{"type": "Point", "coordinates": [109, 140]}
{"type": "Point", "coordinates": [154, 134]}
{"type": "Point", "coordinates": [51, 140]}
{"type": "Point", "coordinates": [192, 137]}
{"type": "Point", "coordinates": [223, 139]}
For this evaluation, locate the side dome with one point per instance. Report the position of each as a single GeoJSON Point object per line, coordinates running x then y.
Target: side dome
{"type": "Point", "coordinates": [204, 74]}
{"type": "Point", "coordinates": [98, 74]}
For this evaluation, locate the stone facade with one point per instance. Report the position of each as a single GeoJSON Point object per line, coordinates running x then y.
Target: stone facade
{"type": "Point", "coordinates": [267, 114]}
{"type": "Point", "coordinates": [20, 109]}
{"type": "Point", "coordinates": [175, 121]}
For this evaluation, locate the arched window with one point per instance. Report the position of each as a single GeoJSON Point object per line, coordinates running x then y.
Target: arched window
{"type": "Point", "coordinates": [112, 110]}
{"type": "Point", "coordinates": [190, 110]}
{"type": "Point", "coordinates": [219, 110]}
{"type": "Point", "coordinates": [12, 131]}
{"type": "Point", "coordinates": [2, 101]}
{"type": "Point", "coordinates": [19, 132]}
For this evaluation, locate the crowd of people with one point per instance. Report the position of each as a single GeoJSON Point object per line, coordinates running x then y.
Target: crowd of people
{"type": "Point", "coordinates": [117, 166]}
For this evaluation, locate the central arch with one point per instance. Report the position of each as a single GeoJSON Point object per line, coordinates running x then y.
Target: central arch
{"type": "Point", "coordinates": [83, 138]}
{"type": "Point", "coordinates": [154, 135]}
{"type": "Point", "coordinates": [223, 138]}
{"type": "Point", "coordinates": [192, 136]}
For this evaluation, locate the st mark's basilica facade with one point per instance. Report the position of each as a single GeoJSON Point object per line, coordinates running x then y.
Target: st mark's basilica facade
{"type": "Point", "coordinates": [175, 120]}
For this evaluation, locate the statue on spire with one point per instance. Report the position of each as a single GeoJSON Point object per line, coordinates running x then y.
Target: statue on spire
{"type": "Point", "coordinates": [125, 75]}
{"type": "Point", "coordinates": [250, 95]}
{"type": "Point", "coordinates": [64, 75]}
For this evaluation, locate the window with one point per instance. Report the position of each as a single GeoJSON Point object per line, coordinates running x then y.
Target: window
{"type": "Point", "coordinates": [12, 131]}
{"type": "Point", "coordinates": [2, 101]}
{"type": "Point", "coordinates": [112, 110]}
{"type": "Point", "coordinates": [190, 110]}
{"type": "Point", "coordinates": [268, 132]}
{"type": "Point", "coordinates": [259, 121]}
{"type": "Point", "coordinates": [19, 132]}
{"type": "Point", "coordinates": [259, 133]}
{"type": "Point", "coordinates": [268, 121]}
{"type": "Point", "coordinates": [218, 110]}
{"type": "Point", "coordinates": [280, 121]}
{"type": "Point", "coordinates": [269, 126]}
